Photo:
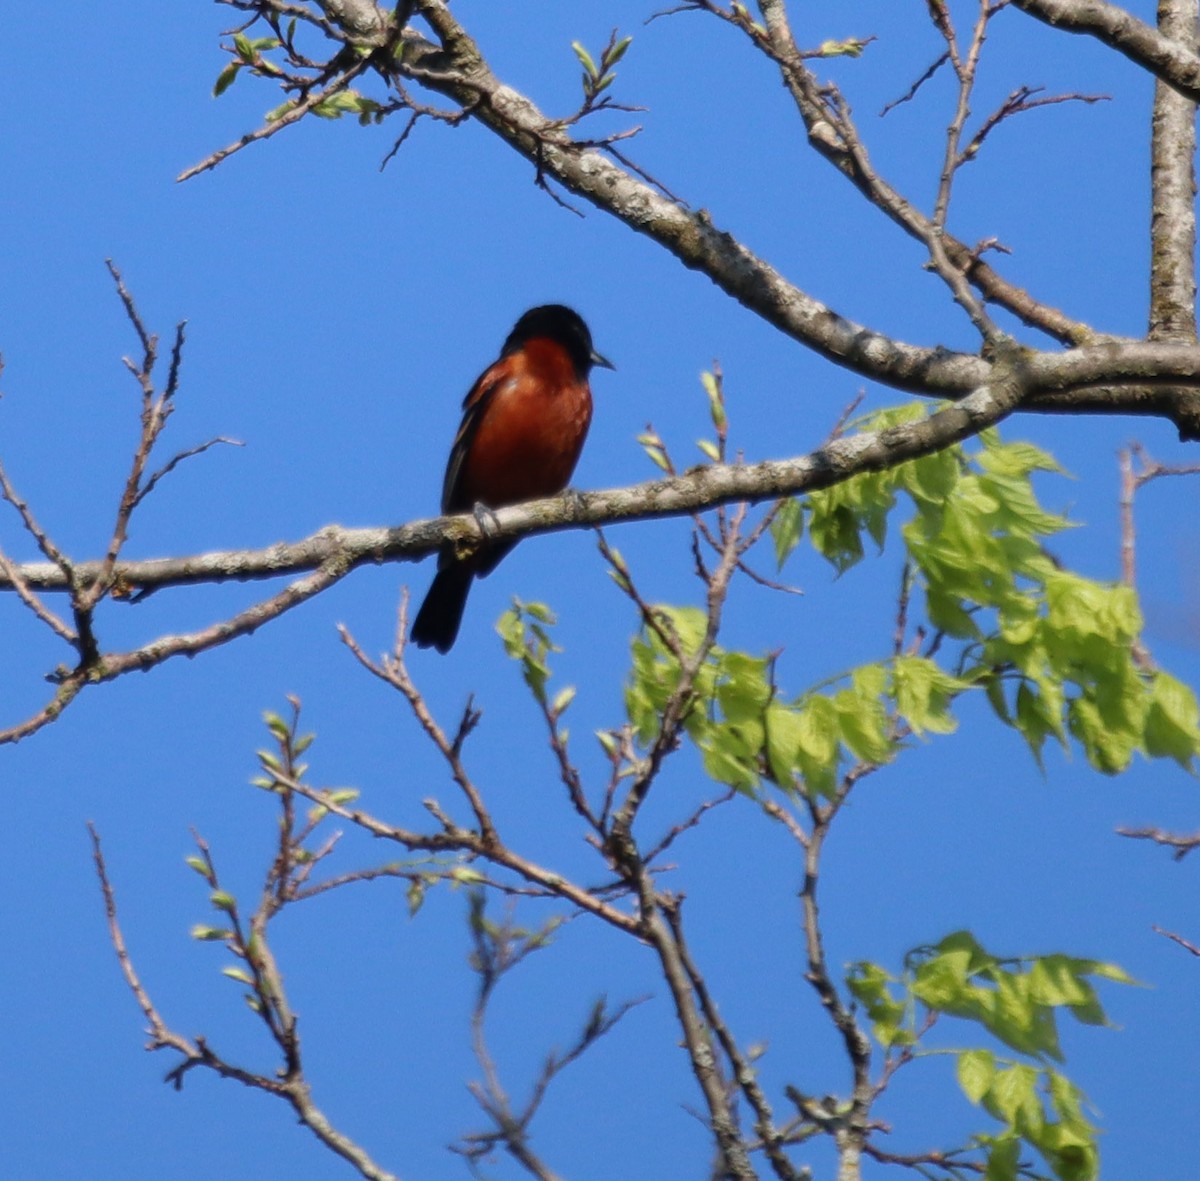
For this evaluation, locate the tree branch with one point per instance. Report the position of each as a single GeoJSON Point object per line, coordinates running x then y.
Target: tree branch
{"type": "Point", "coordinates": [459, 70]}
{"type": "Point", "coordinates": [340, 549]}
{"type": "Point", "coordinates": [1175, 63]}
{"type": "Point", "coordinates": [1173, 188]}
{"type": "Point", "coordinates": [288, 1084]}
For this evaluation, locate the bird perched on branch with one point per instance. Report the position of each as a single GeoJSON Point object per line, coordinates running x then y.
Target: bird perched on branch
{"type": "Point", "coordinates": [523, 426]}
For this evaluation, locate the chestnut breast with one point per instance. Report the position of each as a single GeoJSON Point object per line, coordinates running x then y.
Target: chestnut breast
{"type": "Point", "coordinates": [534, 416]}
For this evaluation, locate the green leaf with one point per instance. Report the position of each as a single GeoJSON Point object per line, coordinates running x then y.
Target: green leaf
{"type": "Point", "coordinates": [1172, 721]}
{"type": "Point", "coordinates": [1003, 1159]}
{"type": "Point", "coordinates": [278, 727]}
{"type": "Point", "coordinates": [835, 534]}
{"type": "Point", "coordinates": [690, 624]}
{"type": "Point", "coordinates": [923, 694]}
{"type": "Point", "coordinates": [1056, 980]}
{"type": "Point", "coordinates": [523, 629]}
{"type": "Point", "coordinates": [976, 1070]}
{"type": "Point", "coordinates": [223, 901]}
{"type": "Point", "coordinates": [210, 934]}
{"type": "Point", "coordinates": [344, 102]}
{"type": "Point", "coordinates": [226, 78]}
{"type": "Point", "coordinates": [585, 59]}
{"type": "Point", "coordinates": [1015, 458]}
{"type": "Point", "coordinates": [1109, 748]}
{"type": "Point", "coordinates": [730, 755]}
{"type": "Point", "coordinates": [932, 478]}
{"type": "Point", "coordinates": [872, 987]}
{"type": "Point", "coordinates": [818, 749]}
{"type": "Point", "coordinates": [716, 401]}
{"type": "Point", "coordinates": [284, 108]}
{"type": "Point", "coordinates": [1013, 1097]}
{"type": "Point", "coordinates": [851, 47]}
{"type": "Point", "coordinates": [1035, 721]}
{"type": "Point", "coordinates": [786, 529]}
{"type": "Point", "coordinates": [200, 866]}
{"type": "Point", "coordinates": [656, 453]}
{"type": "Point", "coordinates": [614, 55]}
{"type": "Point", "coordinates": [782, 743]}
{"type": "Point", "coordinates": [862, 718]}
{"type": "Point", "coordinates": [744, 688]}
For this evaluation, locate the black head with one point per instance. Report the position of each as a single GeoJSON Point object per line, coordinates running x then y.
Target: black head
{"type": "Point", "coordinates": [560, 324]}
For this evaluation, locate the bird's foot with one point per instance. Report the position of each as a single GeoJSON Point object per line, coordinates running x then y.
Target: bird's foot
{"type": "Point", "coordinates": [486, 519]}
{"type": "Point", "coordinates": [576, 499]}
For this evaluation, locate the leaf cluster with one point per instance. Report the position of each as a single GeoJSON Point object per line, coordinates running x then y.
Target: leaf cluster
{"type": "Point", "coordinates": [1054, 650]}
{"type": "Point", "coordinates": [1017, 1002]}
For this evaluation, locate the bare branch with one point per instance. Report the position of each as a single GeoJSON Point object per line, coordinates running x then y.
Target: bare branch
{"type": "Point", "coordinates": [1182, 845]}
{"type": "Point", "coordinates": [12, 572]}
{"type": "Point", "coordinates": [722, 1113]}
{"type": "Point", "coordinates": [498, 947]}
{"type": "Point", "coordinates": [1132, 481]}
{"type": "Point", "coordinates": [1173, 190]}
{"type": "Point", "coordinates": [1017, 103]}
{"type": "Point", "coordinates": [692, 237]}
{"type": "Point", "coordinates": [833, 134]}
{"type": "Point", "coordinates": [176, 460]}
{"type": "Point", "coordinates": [393, 671]}
{"type": "Point", "coordinates": [1186, 944]}
{"type": "Point", "coordinates": [1174, 62]}
{"type": "Point", "coordinates": [911, 92]}
{"type": "Point", "coordinates": [454, 839]}
{"type": "Point", "coordinates": [741, 1071]}
{"type": "Point", "coordinates": [677, 830]}
{"type": "Point", "coordinates": [60, 561]}
{"type": "Point", "coordinates": [160, 1034]}
{"type": "Point", "coordinates": [702, 488]}
{"type": "Point", "coordinates": [293, 115]}
{"type": "Point", "coordinates": [63, 696]}
{"type": "Point", "coordinates": [289, 1084]}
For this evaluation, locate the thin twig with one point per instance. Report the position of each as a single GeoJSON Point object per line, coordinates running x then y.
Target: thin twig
{"type": "Point", "coordinates": [393, 671]}
{"type": "Point", "coordinates": [174, 462]}
{"type": "Point", "coordinates": [1186, 944]}
{"type": "Point", "coordinates": [1181, 845]}
{"type": "Point", "coordinates": [291, 116]}
{"type": "Point", "coordinates": [911, 92]}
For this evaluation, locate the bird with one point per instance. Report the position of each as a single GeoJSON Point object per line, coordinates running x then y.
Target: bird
{"type": "Point", "coordinates": [524, 422]}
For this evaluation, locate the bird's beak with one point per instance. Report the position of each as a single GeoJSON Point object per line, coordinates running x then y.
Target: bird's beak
{"type": "Point", "coordinates": [601, 362]}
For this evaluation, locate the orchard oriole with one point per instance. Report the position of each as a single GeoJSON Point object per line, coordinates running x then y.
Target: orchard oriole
{"type": "Point", "coordinates": [523, 426]}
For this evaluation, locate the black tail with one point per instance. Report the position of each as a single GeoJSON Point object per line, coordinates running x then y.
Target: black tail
{"type": "Point", "coordinates": [436, 625]}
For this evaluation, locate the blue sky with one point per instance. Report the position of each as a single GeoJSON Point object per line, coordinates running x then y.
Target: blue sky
{"type": "Point", "coordinates": [336, 315]}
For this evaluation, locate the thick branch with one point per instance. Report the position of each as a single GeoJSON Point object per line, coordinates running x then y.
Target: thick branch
{"type": "Point", "coordinates": [1173, 61]}
{"type": "Point", "coordinates": [832, 133]}
{"type": "Point", "coordinates": [1173, 185]}
{"type": "Point", "coordinates": [335, 547]}
{"type": "Point", "coordinates": [698, 1040]}
{"type": "Point", "coordinates": [461, 73]}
